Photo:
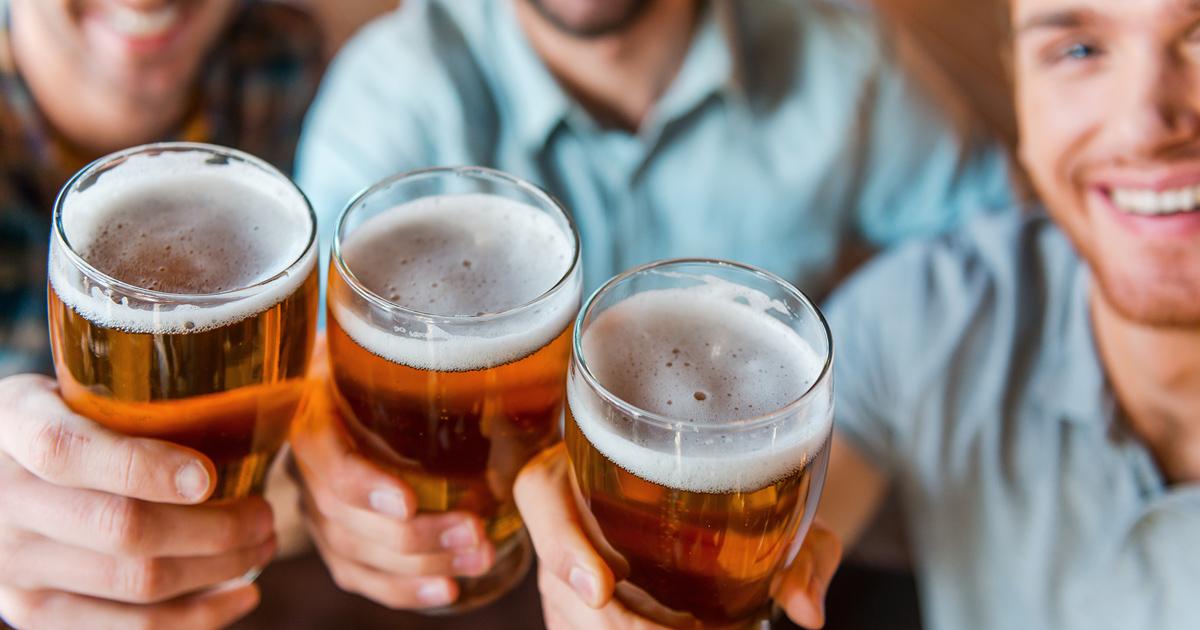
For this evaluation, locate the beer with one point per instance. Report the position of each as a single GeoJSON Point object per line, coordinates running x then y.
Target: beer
{"type": "Point", "coordinates": [695, 448]}
{"type": "Point", "coordinates": [183, 293]}
{"type": "Point", "coordinates": [449, 332]}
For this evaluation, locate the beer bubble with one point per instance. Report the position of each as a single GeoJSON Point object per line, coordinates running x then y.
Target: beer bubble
{"type": "Point", "coordinates": [461, 256]}
{"type": "Point", "coordinates": [180, 228]}
{"type": "Point", "coordinates": [719, 376]}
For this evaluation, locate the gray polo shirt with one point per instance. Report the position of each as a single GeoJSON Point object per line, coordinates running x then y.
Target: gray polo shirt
{"type": "Point", "coordinates": [967, 371]}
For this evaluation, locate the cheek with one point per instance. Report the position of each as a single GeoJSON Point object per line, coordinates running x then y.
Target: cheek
{"type": "Point", "coordinates": [1058, 119]}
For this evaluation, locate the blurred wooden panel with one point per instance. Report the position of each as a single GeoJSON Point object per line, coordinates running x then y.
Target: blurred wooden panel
{"type": "Point", "coordinates": [957, 47]}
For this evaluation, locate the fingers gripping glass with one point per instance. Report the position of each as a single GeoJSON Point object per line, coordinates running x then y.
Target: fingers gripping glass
{"type": "Point", "coordinates": [451, 297]}
{"type": "Point", "coordinates": [700, 409]}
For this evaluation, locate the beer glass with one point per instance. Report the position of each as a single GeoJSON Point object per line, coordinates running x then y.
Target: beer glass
{"type": "Point", "coordinates": [699, 416]}
{"type": "Point", "coordinates": [183, 295]}
{"type": "Point", "coordinates": [451, 297]}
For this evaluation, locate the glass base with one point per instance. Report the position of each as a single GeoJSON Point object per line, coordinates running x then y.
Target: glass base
{"type": "Point", "coordinates": [513, 560]}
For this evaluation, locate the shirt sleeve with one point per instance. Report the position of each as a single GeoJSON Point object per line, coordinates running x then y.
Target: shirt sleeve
{"type": "Point", "coordinates": [367, 122]}
{"type": "Point", "coordinates": [866, 394]}
{"type": "Point", "coordinates": [921, 176]}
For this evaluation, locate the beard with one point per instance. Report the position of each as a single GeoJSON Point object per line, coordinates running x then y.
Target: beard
{"type": "Point", "coordinates": [605, 17]}
{"type": "Point", "coordinates": [1159, 289]}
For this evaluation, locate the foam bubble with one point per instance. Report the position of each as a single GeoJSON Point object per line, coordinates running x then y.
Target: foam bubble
{"type": "Point", "coordinates": [461, 255]}
{"type": "Point", "coordinates": [698, 356]}
{"type": "Point", "coordinates": [172, 224]}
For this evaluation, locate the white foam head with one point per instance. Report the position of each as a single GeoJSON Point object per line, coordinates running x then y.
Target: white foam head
{"type": "Point", "coordinates": [173, 223]}
{"type": "Point", "coordinates": [461, 256]}
{"type": "Point", "coordinates": [696, 355]}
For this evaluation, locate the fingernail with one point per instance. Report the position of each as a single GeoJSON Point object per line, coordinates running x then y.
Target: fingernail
{"type": "Point", "coordinates": [469, 562]}
{"type": "Point", "coordinates": [461, 536]}
{"type": "Point", "coordinates": [585, 584]}
{"type": "Point", "coordinates": [192, 481]}
{"type": "Point", "coordinates": [388, 502]}
{"type": "Point", "coordinates": [434, 593]}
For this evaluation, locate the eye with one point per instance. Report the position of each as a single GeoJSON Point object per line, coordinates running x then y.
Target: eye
{"type": "Point", "coordinates": [1072, 52]}
{"type": "Point", "coordinates": [1079, 51]}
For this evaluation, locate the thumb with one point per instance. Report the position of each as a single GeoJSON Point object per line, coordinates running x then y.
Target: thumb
{"type": "Point", "coordinates": [543, 495]}
{"type": "Point", "coordinates": [801, 589]}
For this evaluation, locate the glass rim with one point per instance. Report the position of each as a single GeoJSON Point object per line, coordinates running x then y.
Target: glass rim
{"type": "Point", "coordinates": [101, 165]}
{"type": "Point", "coordinates": [470, 172]}
{"type": "Point", "coordinates": [641, 415]}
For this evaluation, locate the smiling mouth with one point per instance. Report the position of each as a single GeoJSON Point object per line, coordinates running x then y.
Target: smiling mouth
{"type": "Point", "coordinates": [1154, 203]}
{"type": "Point", "coordinates": [139, 23]}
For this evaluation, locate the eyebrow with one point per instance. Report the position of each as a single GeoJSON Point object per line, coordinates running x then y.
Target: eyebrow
{"type": "Point", "coordinates": [1058, 19]}
{"type": "Point", "coordinates": [1074, 17]}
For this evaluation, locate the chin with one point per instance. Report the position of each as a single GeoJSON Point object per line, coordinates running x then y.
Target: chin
{"type": "Point", "coordinates": [1157, 298]}
{"type": "Point", "coordinates": [1147, 268]}
{"type": "Point", "coordinates": [590, 18]}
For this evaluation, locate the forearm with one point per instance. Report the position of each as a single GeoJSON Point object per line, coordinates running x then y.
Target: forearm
{"type": "Point", "coordinates": [854, 490]}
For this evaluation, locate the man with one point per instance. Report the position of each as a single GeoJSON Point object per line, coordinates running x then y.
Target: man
{"type": "Point", "coordinates": [1031, 387]}
{"type": "Point", "coordinates": [93, 532]}
{"type": "Point", "coordinates": [774, 132]}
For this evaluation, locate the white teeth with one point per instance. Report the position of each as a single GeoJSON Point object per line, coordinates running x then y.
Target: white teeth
{"type": "Point", "coordinates": [1149, 202]}
{"type": "Point", "coordinates": [140, 23]}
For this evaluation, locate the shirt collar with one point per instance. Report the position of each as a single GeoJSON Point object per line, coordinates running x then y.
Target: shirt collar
{"type": "Point", "coordinates": [540, 105]}
{"type": "Point", "coordinates": [537, 102]}
{"type": "Point", "coordinates": [712, 67]}
{"type": "Point", "coordinates": [1077, 389]}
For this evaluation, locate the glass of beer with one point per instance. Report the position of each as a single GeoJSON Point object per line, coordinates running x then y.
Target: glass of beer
{"type": "Point", "coordinates": [700, 410]}
{"type": "Point", "coordinates": [183, 299]}
{"type": "Point", "coordinates": [451, 297]}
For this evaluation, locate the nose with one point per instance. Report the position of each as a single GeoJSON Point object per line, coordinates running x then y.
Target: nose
{"type": "Point", "coordinates": [1159, 98]}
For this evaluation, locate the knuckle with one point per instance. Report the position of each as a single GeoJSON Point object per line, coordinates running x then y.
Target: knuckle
{"type": "Point", "coordinates": [342, 543]}
{"type": "Point", "coordinates": [11, 572]}
{"type": "Point", "coordinates": [121, 523]}
{"type": "Point", "coordinates": [407, 539]}
{"type": "Point", "coordinates": [128, 466]}
{"type": "Point", "coordinates": [142, 579]}
{"type": "Point", "coordinates": [51, 448]}
{"type": "Point", "coordinates": [340, 576]}
{"type": "Point", "coordinates": [230, 530]}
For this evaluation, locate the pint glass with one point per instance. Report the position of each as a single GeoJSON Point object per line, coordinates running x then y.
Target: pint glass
{"type": "Point", "coordinates": [451, 298]}
{"type": "Point", "coordinates": [699, 420]}
{"type": "Point", "coordinates": [183, 295]}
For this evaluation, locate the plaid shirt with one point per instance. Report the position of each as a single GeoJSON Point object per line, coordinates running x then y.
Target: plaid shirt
{"type": "Point", "coordinates": [254, 90]}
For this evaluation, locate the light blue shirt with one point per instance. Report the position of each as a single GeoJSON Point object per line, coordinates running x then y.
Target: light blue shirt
{"type": "Point", "coordinates": [966, 370]}
{"type": "Point", "coordinates": [785, 136]}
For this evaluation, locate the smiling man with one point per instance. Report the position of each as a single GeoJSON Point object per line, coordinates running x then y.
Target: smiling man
{"type": "Point", "coordinates": [1030, 388]}
{"type": "Point", "coordinates": [98, 530]}
{"type": "Point", "coordinates": [82, 78]}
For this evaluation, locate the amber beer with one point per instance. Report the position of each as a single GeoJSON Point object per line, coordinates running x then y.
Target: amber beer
{"type": "Point", "coordinates": [451, 295]}
{"type": "Point", "coordinates": [698, 428]}
{"type": "Point", "coordinates": [183, 295]}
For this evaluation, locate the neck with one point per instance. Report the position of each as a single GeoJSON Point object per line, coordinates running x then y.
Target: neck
{"type": "Point", "coordinates": [1155, 373]}
{"type": "Point", "coordinates": [92, 116]}
{"type": "Point", "coordinates": [617, 77]}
